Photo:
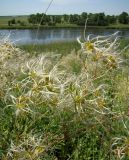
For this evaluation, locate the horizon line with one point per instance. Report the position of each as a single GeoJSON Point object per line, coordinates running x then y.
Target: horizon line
{"type": "Point", "coordinates": [60, 14]}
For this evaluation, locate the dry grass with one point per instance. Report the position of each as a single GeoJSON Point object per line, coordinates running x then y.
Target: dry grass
{"type": "Point", "coordinates": [70, 107]}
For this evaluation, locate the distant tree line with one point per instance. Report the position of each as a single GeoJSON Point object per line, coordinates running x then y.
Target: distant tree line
{"type": "Point", "coordinates": [14, 22]}
{"type": "Point", "coordinates": [97, 19]}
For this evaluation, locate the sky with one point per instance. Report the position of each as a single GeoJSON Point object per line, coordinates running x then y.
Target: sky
{"type": "Point", "coordinates": [26, 7]}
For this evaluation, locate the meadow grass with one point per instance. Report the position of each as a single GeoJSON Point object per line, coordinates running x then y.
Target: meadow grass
{"type": "Point", "coordinates": [119, 26]}
{"type": "Point", "coordinates": [64, 101]}
{"type": "Point", "coordinates": [4, 20]}
{"type": "Point", "coordinates": [62, 48]}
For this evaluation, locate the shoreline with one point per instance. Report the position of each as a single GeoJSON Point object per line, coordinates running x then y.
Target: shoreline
{"type": "Point", "coordinates": [67, 26]}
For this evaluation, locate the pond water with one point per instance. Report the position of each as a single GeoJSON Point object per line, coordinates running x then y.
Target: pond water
{"type": "Point", "coordinates": [28, 36]}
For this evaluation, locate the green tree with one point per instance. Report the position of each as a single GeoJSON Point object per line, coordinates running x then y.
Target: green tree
{"type": "Point", "coordinates": [123, 18]}
{"type": "Point", "coordinates": [111, 19]}
{"type": "Point", "coordinates": [74, 19]}
{"type": "Point", "coordinates": [66, 18]}
{"type": "Point", "coordinates": [32, 19]}
{"type": "Point", "coordinates": [57, 18]}
{"type": "Point", "coordinates": [22, 23]}
{"type": "Point", "coordinates": [82, 18]}
{"type": "Point", "coordinates": [102, 21]}
{"type": "Point", "coordinates": [13, 21]}
{"type": "Point", "coordinates": [18, 21]}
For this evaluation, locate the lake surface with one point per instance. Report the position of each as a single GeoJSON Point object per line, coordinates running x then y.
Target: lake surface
{"type": "Point", "coordinates": [28, 36]}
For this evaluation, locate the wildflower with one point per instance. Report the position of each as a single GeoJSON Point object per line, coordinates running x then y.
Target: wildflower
{"type": "Point", "coordinates": [110, 61]}
{"type": "Point", "coordinates": [22, 101]}
{"type": "Point", "coordinates": [97, 56]}
{"type": "Point", "coordinates": [36, 88]}
{"type": "Point", "coordinates": [79, 99]}
{"type": "Point", "coordinates": [89, 46]}
{"type": "Point", "coordinates": [20, 105]}
{"type": "Point", "coordinates": [32, 74]}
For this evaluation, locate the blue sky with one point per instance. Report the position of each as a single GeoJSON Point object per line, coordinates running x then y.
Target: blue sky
{"type": "Point", "coordinates": [23, 7]}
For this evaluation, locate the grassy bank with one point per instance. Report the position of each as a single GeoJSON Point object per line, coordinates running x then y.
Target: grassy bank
{"type": "Point", "coordinates": [4, 20]}
{"type": "Point", "coordinates": [71, 107]}
{"type": "Point", "coordinates": [62, 48]}
{"type": "Point", "coordinates": [65, 26]}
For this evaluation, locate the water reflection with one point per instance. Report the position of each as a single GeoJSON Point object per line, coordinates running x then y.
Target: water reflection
{"type": "Point", "coordinates": [28, 36]}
